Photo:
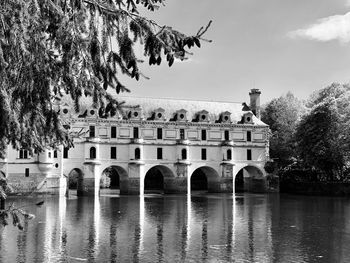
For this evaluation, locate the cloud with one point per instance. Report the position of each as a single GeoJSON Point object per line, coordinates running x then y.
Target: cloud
{"type": "Point", "coordinates": [335, 27]}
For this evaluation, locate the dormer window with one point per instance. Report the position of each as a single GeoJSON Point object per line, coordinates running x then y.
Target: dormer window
{"type": "Point", "coordinates": [247, 118]}
{"type": "Point", "coordinates": [181, 115]}
{"type": "Point", "coordinates": [225, 117]}
{"type": "Point", "coordinates": [92, 113]}
{"type": "Point", "coordinates": [159, 114]}
{"type": "Point", "coordinates": [202, 116]}
{"type": "Point", "coordinates": [134, 113]}
{"type": "Point", "coordinates": [65, 110]}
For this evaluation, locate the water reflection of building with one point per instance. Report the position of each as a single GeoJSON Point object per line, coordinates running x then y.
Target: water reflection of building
{"type": "Point", "coordinates": [173, 144]}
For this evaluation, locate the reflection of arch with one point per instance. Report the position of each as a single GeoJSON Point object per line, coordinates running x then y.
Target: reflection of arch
{"type": "Point", "coordinates": [205, 178]}
{"type": "Point", "coordinates": [115, 177]}
{"type": "Point", "coordinates": [75, 180]}
{"type": "Point", "coordinates": [158, 179]}
{"type": "Point", "coordinates": [92, 153]}
{"type": "Point", "coordinates": [250, 179]}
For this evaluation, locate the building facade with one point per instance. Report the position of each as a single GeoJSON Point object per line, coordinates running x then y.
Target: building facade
{"type": "Point", "coordinates": [177, 140]}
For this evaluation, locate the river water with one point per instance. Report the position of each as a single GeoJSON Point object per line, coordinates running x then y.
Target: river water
{"type": "Point", "coordinates": [176, 228]}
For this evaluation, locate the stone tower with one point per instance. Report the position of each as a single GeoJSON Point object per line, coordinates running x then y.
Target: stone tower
{"type": "Point", "coordinates": [255, 101]}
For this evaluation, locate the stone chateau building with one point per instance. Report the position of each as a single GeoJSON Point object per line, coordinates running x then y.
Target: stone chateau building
{"type": "Point", "coordinates": [174, 145]}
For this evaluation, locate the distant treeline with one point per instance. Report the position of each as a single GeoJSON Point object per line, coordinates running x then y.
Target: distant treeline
{"type": "Point", "coordinates": [310, 140]}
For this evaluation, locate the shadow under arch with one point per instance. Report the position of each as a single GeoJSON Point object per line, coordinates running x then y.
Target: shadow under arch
{"type": "Point", "coordinates": [115, 177]}
{"type": "Point", "coordinates": [205, 178]}
{"type": "Point", "coordinates": [75, 181]}
{"type": "Point", "coordinates": [159, 179]}
{"type": "Point", "coordinates": [250, 179]}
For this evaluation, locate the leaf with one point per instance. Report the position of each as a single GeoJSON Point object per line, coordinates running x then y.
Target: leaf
{"type": "Point", "coordinates": [40, 203]}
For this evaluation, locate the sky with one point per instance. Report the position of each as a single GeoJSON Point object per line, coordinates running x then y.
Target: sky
{"type": "Point", "coordinates": [276, 46]}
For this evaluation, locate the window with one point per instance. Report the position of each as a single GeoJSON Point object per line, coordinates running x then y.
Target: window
{"type": "Point", "coordinates": [182, 134]}
{"type": "Point", "coordinates": [23, 154]}
{"type": "Point", "coordinates": [183, 154]}
{"type": "Point", "coordinates": [249, 136]}
{"type": "Point", "coordinates": [159, 153]}
{"type": "Point", "coordinates": [113, 152]}
{"type": "Point", "coordinates": [49, 154]}
{"type": "Point", "coordinates": [27, 172]}
{"type": "Point", "coordinates": [113, 132]}
{"type": "Point", "coordinates": [92, 153]}
{"type": "Point", "coordinates": [92, 132]}
{"type": "Point", "coordinates": [137, 154]}
{"type": "Point", "coordinates": [204, 135]}
{"type": "Point", "coordinates": [249, 154]}
{"type": "Point", "coordinates": [55, 154]}
{"type": "Point", "coordinates": [136, 133]}
{"type": "Point", "coordinates": [159, 133]}
{"type": "Point", "coordinates": [229, 154]}
{"type": "Point", "coordinates": [204, 154]}
{"type": "Point", "coordinates": [65, 153]}
{"type": "Point", "coordinates": [227, 135]}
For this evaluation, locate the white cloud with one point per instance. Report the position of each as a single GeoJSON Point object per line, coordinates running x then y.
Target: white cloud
{"type": "Point", "coordinates": [335, 27]}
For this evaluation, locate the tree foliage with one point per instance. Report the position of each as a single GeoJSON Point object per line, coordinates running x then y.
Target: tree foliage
{"type": "Point", "coordinates": [282, 115]}
{"type": "Point", "coordinates": [322, 136]}
{"type": "Point", "coordinates": [18, 215]}
{"type": "Point", "coordinates": [49, 48]}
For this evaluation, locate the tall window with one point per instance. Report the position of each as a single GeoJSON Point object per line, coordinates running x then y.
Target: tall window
{"type": "Point", "coordinates": [137, 154]}
{"type": "Point", "coordinates": [92, 131]}
{"type": "Point", "coordinates": [113, 152]}
{"type": "Point", "coordinates": [136, 132]}
{"type": "Point", "coordinates": [183, 154]}
{"type": "Point", "coordinates": [159, 133]}
{"type": "Point", "coordinates": [204, 154]}
{"type": "Point", "coordinates": [92, 153]}
{"type": "Point", "coordinates": [65, 153]}
{"type": "Point", "coordinates": [227, 135]}
{"type": "Point", "coordinates": [249, 136]}
{"type": "Point", "coordinates": [182, 134]}
{"type": "Point", "coordinates": [113, 132]}
{"type": "Point", "coordinates": [49, 154]}
{"type": "Point", "coordinates": [204, 135]}
{"type": "Point", "coordinates": [229, 154]}
{"type": "Point", "coordinates": [159, 153]}
{"type": "Point", "coordinates": [27, 172]}
{"type": "Point", "coordinates": [55, 154]}
{"type": "Point", "coordinates": [249, 154]}
{"type": "Point", "coordinates": [23, 154]}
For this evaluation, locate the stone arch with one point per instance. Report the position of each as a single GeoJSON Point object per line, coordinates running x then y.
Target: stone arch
{"type": "Point", "coordinates": [159, 178]}
{"type": "Point", "coordinates": [76, 181]}
{"type": "Point", "coordinates": [250, 178]}
{"type": "Point", "coordinates": [205, 175]}
{"type": "Point", "coordinates": [115, 177]}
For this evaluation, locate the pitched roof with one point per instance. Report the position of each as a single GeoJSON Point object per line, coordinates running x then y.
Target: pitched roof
{"type": "Point", "coordinates": [171, 106]}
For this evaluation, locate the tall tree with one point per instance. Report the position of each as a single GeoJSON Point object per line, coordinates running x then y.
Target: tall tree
{"type": "Point", "coordinates": [282, 115]}
{"type": "Point", "coordinates": [319, 140]}
{"type": "Point", "coordinates": [323, 138]}
{"type": "Point", "coordinates": [49, 48]}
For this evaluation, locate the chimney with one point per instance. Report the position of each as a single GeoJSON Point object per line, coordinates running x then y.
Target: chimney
{"type": "Point", "coordinates": [255, 101]}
